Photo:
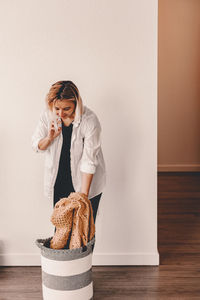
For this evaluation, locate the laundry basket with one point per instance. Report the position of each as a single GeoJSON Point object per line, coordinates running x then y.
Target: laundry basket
{"type": "Point", "coordinates": [66, 273]}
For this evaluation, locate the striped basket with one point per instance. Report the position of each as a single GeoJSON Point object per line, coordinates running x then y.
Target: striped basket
{"type": "Point", "coordinates": [66, 273]}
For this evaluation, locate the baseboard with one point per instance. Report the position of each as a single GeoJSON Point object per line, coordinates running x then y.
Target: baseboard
{"type": "Point", "coordinates": [99, 259]}
{"type": "Point", "coordinates": [179, 168]}
{"type": "Point", "coordinates": [121, 259]}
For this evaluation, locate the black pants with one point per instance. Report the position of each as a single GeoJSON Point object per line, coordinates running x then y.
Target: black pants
{"type": "Point", "coordinates": [94, 201]}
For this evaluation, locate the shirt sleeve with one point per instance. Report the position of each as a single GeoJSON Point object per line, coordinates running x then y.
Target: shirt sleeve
{"type": "Point", "coordinates": [39, 133]}
{"type": "Point", "coordinates": [91, 147]}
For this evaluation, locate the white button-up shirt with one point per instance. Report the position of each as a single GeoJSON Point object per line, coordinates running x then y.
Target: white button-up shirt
{"type": "Point", "coordinates": [85, 152]}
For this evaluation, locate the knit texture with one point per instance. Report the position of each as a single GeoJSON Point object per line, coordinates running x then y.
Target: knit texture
{"type": "Point", "coordinates": [73, 219]}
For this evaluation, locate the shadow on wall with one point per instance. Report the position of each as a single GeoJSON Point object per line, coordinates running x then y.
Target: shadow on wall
{"type": "Point", "coordinates": [2, 248]}
{"type": "Point", "coordinates": [120, 133]}
{"type": "Point", "coordinates": [121, 130]}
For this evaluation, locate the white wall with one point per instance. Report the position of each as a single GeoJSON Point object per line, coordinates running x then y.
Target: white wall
{"type": "Point", "coordinates": [109, 50]}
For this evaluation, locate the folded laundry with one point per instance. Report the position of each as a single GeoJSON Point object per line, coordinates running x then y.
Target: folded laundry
{"type": "Point", "coordinates": [72, 215]}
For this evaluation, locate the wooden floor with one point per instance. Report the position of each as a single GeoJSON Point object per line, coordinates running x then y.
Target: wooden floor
{"type": "Point", "coordinates": [177, 277]}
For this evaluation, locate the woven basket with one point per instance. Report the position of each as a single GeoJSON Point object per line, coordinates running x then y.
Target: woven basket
{"type": "Point", "coordinates": [66, 273]}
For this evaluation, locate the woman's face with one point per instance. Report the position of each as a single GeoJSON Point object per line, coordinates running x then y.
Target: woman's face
{"type": "Point", "coordinates": [65, 108]}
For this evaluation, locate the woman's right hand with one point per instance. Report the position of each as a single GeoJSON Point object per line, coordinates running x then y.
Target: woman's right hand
{"type": "Point", "coordinates": [53, 133]}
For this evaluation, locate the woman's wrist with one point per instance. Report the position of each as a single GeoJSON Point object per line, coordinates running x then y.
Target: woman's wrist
{"type": "Point", "coordinates": [49, 139]}
{"type": "Point", "coordinates": [86, 194]}
{"type": "Point", "coordinates": [86, 183]}
{"type": "Point", "coordinates": [44, 143]}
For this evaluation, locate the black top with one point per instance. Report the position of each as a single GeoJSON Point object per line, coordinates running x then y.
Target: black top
{"type": "Point", "coordinates": [63, 184]}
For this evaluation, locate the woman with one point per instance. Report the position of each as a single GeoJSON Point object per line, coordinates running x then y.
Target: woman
{"type": "Point", "coordinates": [68, 133]}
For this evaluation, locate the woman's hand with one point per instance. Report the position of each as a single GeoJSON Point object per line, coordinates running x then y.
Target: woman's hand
{"type": "Point", "coordinates": [82, 194]}
{"type": "Point", "coordinates": [53, 133]}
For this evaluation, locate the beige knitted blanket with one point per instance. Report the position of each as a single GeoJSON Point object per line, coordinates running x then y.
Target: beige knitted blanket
{"type": "Point", "coordinates": [72, 215]}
